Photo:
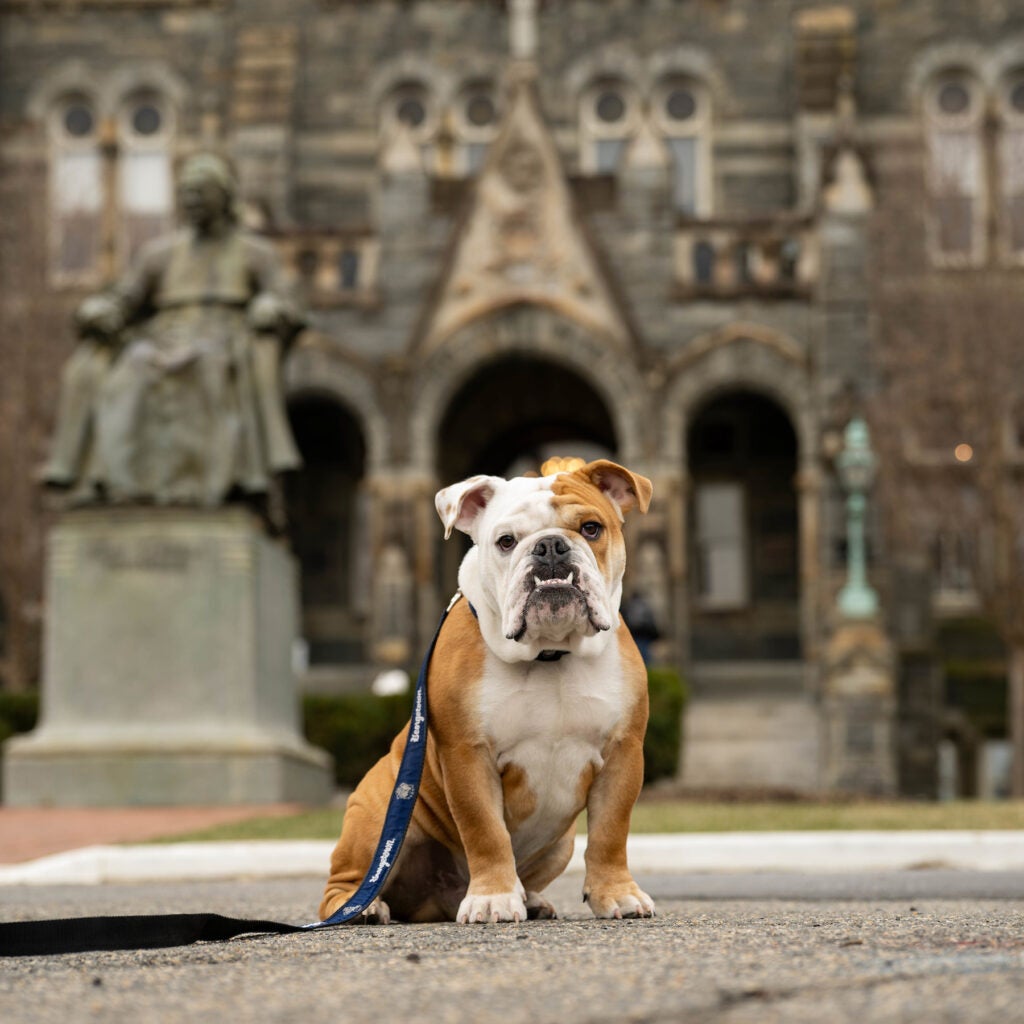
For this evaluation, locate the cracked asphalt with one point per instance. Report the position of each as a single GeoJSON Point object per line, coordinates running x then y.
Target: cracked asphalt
{"type": "Point", "coordinates": [933, 947]}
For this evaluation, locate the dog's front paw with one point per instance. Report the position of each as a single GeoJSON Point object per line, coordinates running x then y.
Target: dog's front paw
{"type": "Point", "coordinates": [619, 901]}
{"type": "Point", "coordinates": [378, 912]}
{"type": "Point", "coordinates": [502, 906]}
{"type": "Point", "coordinates": [538, 908]}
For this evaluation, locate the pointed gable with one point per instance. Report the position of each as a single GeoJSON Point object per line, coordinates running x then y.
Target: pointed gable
{"type": "Point", "coordinates": [520, 241]}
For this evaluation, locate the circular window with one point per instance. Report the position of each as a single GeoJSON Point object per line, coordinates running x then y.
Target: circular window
{"type": "Point", "coordinates": [680, 104]}
{"type": "Point", "coordinates": [610, 107]}
{"type": "Point", "coordinates": [480, 111]}
{"type": "Point", "coordinates": [78, 120]}
{"type": "Point", "coordinates": [147, 119]}
{"type": "Point", "coordinates": [411, 111]}
{"type": "Point", "coordinates": [1016, 97]}
{"type": "Point", "coordinates": [953, 98]}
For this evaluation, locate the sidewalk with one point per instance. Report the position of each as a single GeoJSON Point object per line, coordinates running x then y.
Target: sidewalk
{"type": "Point", "coordinates": [27, 833]}
{"type": "Point", "coordinates": [77, 847]}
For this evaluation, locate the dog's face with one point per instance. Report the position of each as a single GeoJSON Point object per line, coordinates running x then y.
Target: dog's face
{"type": "Point", "coordinates": [545, 572]}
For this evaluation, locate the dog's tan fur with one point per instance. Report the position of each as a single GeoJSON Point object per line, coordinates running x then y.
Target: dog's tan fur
{"type": "Point", "coordinates": [460, 848]}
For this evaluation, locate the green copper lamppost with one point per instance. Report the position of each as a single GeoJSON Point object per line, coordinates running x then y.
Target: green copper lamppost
{"type": "Point", "coordinates": [856, 464]}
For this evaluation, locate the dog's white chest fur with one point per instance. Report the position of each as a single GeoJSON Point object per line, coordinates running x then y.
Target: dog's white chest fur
{"type": "Point", "coordinates": [551, 720]}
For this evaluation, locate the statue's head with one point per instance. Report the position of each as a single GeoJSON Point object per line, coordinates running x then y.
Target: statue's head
{"type": "Point", "coordinates": [206, 189]}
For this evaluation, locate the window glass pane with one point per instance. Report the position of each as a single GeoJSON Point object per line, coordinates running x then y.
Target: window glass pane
{"type": "Point", "coordinates": [954, 222]}
{"type": "Point", "coordinates": [147, 119]}
{"type": "Point", "coordinates": [1011, 171]}
{"type": "Point", "coordinates": [721, 545]}
{"type": "Point", "coordinates": [475, 154]}
{"type": "Point", "coordinates": [953, 98]}
{"type": "Point", "coordinates": [78, 204]}
{"type": "Point", "coordinates": [146, 197]}
{"type": "Point", "coordinates": [955, 163]}
{"type": "Point", "coordinates": [146, 182]}
{"type": "Point", "coordinates": [609, 153]}
{"type": "Point", "coordinates": [955, 181]}
{"type": "Point", "coordinates": [1016, 97]}
{"type": "Point", "coordinates": [610, 107]}
{"type": "Point", "coordinates": [78, 181]}
{"type": "Point", "coordinates": [680, 104]}
{"type": "Point", "coordinates": [723, 575]}
{"type": "Point", "coordinates": [704, 262]}
{"type": "Point", "coordinates": [480, 110]}
{"type": "Point", "coordinates": [348, 267]}
{"type": "Point", "coordinates": [411, 111]}
{"type": "Point", "coordinates": [684, 174]}
{"type": "Point", "coordinates": [78, 121]}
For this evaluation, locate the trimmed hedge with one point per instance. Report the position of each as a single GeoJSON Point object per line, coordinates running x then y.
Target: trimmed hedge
{"type": "Point", "coordinates": [357, 729]}
{"type": "Point", "coordinates": [668, 695]}
{"type": "Point", "coordinates": [19, 712]}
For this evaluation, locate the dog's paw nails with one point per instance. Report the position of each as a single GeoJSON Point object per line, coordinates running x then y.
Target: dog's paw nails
{"type": "Point", "coordinates": [378, 912]}
{"type": "Point", "coordinates": [619, 903]}
{"type": "Point", "coordinates": [506, 906]}
{"type": "Point", "coordinates": [538, 908]}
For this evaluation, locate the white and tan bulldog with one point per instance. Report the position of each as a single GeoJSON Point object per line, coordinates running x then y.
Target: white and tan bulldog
{"type": "Point", "coordinates": [538, 706]}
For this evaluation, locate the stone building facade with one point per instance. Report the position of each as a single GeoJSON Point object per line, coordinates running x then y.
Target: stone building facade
{"type": "Point", "coordinates": [642, 228]}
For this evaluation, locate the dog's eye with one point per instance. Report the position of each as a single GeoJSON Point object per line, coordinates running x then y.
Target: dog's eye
{"type": "Point", "coordinates": [591, 530]}
{"type": "Point", "coordinates": [506, 542]}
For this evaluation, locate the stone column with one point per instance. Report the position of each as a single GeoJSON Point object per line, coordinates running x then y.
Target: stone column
{"type": "Point", "coordinates": [405, 531]}
{"type": "Point", "coordinates": [808, 490]}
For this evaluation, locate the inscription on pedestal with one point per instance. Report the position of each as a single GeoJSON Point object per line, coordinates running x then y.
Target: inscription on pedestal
{"type": "Point", "coordinates": [149, 554]}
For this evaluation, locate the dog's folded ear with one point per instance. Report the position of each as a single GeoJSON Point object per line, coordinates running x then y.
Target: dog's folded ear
{"type": "Point", "coordinates": [461, 504]}
{"type": "Point", "coordinates": [625, 489]}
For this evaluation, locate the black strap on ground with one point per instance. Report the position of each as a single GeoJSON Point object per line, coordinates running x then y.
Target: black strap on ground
{"type": "Point", "coordinates": [151, 931]}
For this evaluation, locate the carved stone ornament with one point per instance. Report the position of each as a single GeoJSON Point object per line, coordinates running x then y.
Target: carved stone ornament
{"type": "Point", "coordinates": [521, 242]}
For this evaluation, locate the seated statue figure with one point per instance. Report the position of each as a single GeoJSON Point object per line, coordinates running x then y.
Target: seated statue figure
{"type": "Point", "coordinates": [173, 394]}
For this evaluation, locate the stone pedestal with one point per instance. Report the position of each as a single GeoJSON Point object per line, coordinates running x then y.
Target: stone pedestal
{"type": "Point", "coordinates": [859, 710]}
{"type": "Point", "coordinates": [167, 673]}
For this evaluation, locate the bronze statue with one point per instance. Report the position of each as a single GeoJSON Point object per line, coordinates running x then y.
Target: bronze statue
{"type": "Point", "coordinates": [173, 394]}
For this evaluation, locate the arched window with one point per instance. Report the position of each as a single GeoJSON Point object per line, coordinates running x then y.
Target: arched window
{"type": "Point", "coordinates": [475, 123]}
{"type": "Point", "coordinates": [681, 112]}
{"type": "Point", "coordinates": [1011, 165]}
{"type": "Point", "coordinates": [111, 180]}
{"type": "Point", "coordinates": [609, 111]}
{"type": "Point", "coordinates": [954, 116]}
{"type": "Point", "coordinates": [76, 189]}
{"type": "Point", "coordinates": [409, 107]}
{"type": "Point", "coordinates": [145, 178]}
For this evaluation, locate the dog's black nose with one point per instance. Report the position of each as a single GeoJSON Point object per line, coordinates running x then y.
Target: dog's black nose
{"type": "Point", "coordinates": [551, 550]}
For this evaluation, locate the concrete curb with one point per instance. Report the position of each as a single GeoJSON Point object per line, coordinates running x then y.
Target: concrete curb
{"type": "Point", "coordinates": [712, 852]}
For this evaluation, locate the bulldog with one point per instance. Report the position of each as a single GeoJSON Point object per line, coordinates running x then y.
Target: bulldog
{"type": "Point", "coordinates": [538, 706]}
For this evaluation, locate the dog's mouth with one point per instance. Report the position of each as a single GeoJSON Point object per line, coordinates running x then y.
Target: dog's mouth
{"type": "Point", "coordinates": [554, 582]}
{"type": "Point", "coordinates": [554, 604]}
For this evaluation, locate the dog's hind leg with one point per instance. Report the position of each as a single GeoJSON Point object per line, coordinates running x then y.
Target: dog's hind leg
{"type": "Point", "coordinates": [353, 854]}
{"type": "Point", "coordinates": [543, 871]}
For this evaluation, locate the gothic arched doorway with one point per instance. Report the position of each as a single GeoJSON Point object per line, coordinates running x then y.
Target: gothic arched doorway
{"type": "Point", "coordinates": [508, 417]}
{"type": "Point", "coordinates": [744, 589]}
{"type": "Point", "coordinates": [326, 514]}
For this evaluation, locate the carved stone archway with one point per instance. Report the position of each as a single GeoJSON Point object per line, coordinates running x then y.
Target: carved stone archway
{"type": "Point", "coordinates": [760, 360]}
{"type": "Point", "coordinates": [531, 331]}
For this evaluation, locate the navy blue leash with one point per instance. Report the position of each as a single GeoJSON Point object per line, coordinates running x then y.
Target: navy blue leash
{"type": "Point", "coordinates": [161, 931]}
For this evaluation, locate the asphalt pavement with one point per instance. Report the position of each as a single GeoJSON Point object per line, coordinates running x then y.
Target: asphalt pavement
{"type": "Point", "coordinates": [926, 945]}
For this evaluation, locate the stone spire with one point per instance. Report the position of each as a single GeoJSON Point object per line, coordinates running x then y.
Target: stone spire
{"type": "Point", "coordinates": [522, 30]}
{"type": "Point", "coordinates": [849, 192]}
